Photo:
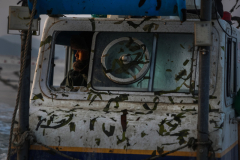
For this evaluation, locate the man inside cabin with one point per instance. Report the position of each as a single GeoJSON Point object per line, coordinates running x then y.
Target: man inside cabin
{"type": "Point", "coordinates": [78, 75]}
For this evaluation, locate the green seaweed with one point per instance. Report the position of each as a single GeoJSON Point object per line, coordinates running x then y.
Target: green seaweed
{"type": "Point", "coordinates": [181, 134]}
{"type": "Point", "coordinates": [143, 134]}
{"type": "Point", "coordinates": [49, 11]}
{"type": "Point", "coordinates": [92, 122]}
{"type": "Point", "coordinates": [215, 122]}
{"type": "Point", "coordinates": [149, 27]}
{"type": "Point", "coordinates": [171, 99]}
{"type": "Point", "coordinates": [97, 140]}
{"type": "Point", "coordinates": [92, 20]}
{"type": "Point", "coordinates": [46, 111]}
{"type": "Point", "coordinates": [219, 127]}
{"type": "Point", "coordinates": [123, 139]}
{"type": "Point", "coordinates": [134, 25]}
{"type": "Point", "coordinates": [212, 97]}
{"type": "Point", "coordinates": [145, 106]}
{"type": "Point", "coordinates": [159, 93]}
{"type": "Point", "coordinates": [141, 3]}
{"type": "Point", "coordinates": [178, 117]}
{"type": "Point", "coordinates": [108, 133]}
{"type": "Point", "coordinates": [38, 96]}
{"type": "Point", "coordinates": [168, 70]}
{"type": "Point", "coordinates": [185, 62]}
{"type": "Point", "coordinates": [188, 110]}
{"type": "Point", "coordinates": [130, 42]}
{"type": "Point", "coordinates": [120, 98]}
{"type": "Point", "coordinates": [139, 113]}
{"type": "Point", "coordinates": [154, 153]}
{"type": "Point", "coordinates": [46, 41]}
{"type": "Point", "coordinates": [172, 126]}
{"type": "Point", "coordinates": [63, 122]}
{"type": "Point", "coordinates": [97, 94]}
{"type": "Point", "coordinates": [89, 85]}
{"type": "Point", "coordinates": [121, 50]}
{"type": "Point", "coordinates": [167, 144]}
{"type": "Point", "coordinates": [162, 130]}
{"type": "Point", "coordinates": [134, 48]}
{"type": "Point", "coordinates": [180, 74]}
{"type": "Point", "coordinates": [182, 46]}
{"type": "Point", "coordinates": [160, 150]}
{"type": "Point", "coordinates": [212, 110]}
{"type": "Point", "coordinates": [156, 101]}
{"type": "Point", "coordinates": [72, 126]}
{"type": "Point", "coordinates": [64, 95]}
{"type": "Point", "coordinates": [223, 48]}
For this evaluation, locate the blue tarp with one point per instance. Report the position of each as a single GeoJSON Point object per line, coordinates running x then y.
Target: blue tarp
{"type": "Point", "coordinates": [112, 7]}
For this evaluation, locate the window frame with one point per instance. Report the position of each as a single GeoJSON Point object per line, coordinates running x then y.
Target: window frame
{"type": "Point", "coordinates": [193, 68]}
{"type": "Point", "coordinates": [152, 68]}
{"type": "Point", "coordinates": [46, 51]}
{"type": "Point", "coordinates": [229, 95]}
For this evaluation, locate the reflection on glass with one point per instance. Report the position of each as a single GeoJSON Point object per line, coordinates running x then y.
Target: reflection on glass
{"type": "Point", "coordinates": [173, 62]}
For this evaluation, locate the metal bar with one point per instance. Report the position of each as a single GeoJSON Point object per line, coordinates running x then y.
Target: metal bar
{"type": "Point", "coordinates": [153, 61]}
{"type": "Point", "coordinates": [66, 61]}
{"type": "Point", "coordinates": [23, 125]}
{"type": "Point", "coordinates": [203, 95]}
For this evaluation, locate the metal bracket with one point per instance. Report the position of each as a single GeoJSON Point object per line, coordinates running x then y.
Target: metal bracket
{"type": "Point", "coordinates": [39, 24]}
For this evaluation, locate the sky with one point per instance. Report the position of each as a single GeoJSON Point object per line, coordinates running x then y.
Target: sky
{"type": "Point", "coordinates": [15, 39]}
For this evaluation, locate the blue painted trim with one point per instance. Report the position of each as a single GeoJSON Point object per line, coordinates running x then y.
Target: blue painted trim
{"type": "Point", "coordinates": [116, 7]}
{"type": "Point", "coordinates": [232, 154]}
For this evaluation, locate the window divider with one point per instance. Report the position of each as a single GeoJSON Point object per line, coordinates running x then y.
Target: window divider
{"type": "Point", "coordinates": [152, 63]}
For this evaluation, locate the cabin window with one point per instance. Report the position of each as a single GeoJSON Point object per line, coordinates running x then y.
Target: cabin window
{"type": "Point", "coordinates": [231, 68]}
{"type": "Point", "coordinates": [173, 63]}
{"type": "Point", "coordinates": [70, 61]}
{"type": "Point", "coordinates": [122, 62]}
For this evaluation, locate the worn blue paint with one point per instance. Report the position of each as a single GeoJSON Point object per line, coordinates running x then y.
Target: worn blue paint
{"type": "Point", "coordinates": [40, 155]}
{"type": "Point", "coordinates": [111, 7]}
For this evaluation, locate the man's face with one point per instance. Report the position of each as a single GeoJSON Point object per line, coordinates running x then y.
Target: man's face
{"type": "Point", "coordinates": [78, 55]}
{"type": "Point", "coordinates": [82, 55]}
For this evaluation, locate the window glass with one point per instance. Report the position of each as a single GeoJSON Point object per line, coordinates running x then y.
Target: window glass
{"type": "Point", "coordinates": [70, 61]}
{"type": "Point", "coordinates": [121, 61]}
{"type": "Point", "coordinates": [231, 67]}
{"type": "Point", "coordinates": [173, 63]}
{"type": "Point", "coordinates": [59, 64]}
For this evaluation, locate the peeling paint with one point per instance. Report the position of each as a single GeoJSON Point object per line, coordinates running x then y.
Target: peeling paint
{"type": "Point", "coordinates": [46, 41]}
{"type": "Point", "coordinates": [98, 141]}
{"type": "Point", "coordinates": [38, 96]}
{"type": "Point", "coordinates": [143, 134]}
{"type": "Point", "coordinates": [63, 122]}
{"type": "Point", "coordinates": [108, 133]}
{"type": "Point", "coordinates": [72, 126]}
{"type": "Point", "coordinates": [92, 122]}
{"type": "Point", "coordinates": [93, 24]}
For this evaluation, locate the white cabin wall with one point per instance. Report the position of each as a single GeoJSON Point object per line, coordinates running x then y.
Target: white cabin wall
{"type": "Point", "coordinates": [229, 129]}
